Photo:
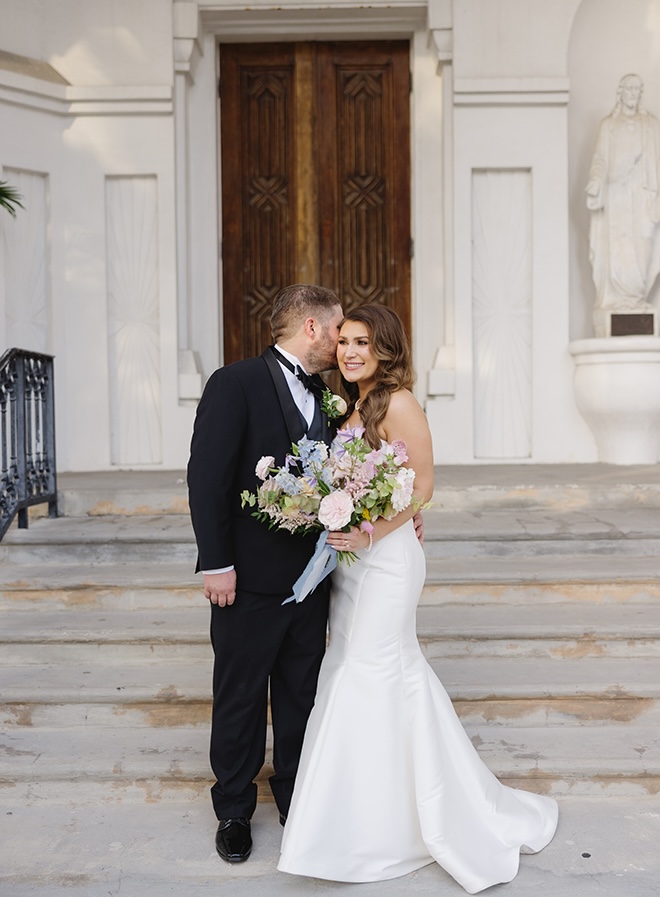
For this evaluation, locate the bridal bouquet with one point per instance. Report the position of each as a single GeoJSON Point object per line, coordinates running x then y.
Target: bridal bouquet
{"type": "Point", "coordinates": [321, 489]}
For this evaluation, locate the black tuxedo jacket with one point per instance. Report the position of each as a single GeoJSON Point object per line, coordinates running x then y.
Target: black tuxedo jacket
{"type": "Point", "coordinates": [246, 411]}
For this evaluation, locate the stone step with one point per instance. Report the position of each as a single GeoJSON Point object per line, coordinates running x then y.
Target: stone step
{"type": "Point", "coordinates": [172, 626]}
{"type": "Point", "coordinates": [542, 532]}
{"type": "Point", "coordinates": [135, 550]}
{"type": "Point", "coordinates": [153, 712]}
{"type": "Point", "coordinates": [124, 757]}
{"type": "Point", "coordinates": [48, 794]}
{"type": "Point", "coordinates": [103, 540]}
{"type": "Point", "coordinates": [474, 487]}
{"type": "Point", "coordinates": [485, 487]}
{"type": "Point", "coordinates": [498, 581]}
{"type": "Point", "coordinates": [139, 588]}
{"type": "Point", "coordinates": [560, 547]}
{"type": "Point", "coordinates": [110, 654]}
{"type": "Point", "coordinates": [169, 634]}
{"type": "Point", "coordinates": [576, 569]}
{"type": "Point", "coordinates": [508, 589]}
{"type": "Point", "coordinates": [544, 630]}
{"type": "Point", "coordinates": [458, 535]}
{"type": "Point", "coordinates": [122, 492]}
{"type": "Point", "coordinates": [106, 587]}
{"type": "Point", "coordinates": [182, 711]}
{"type": "Point", "coordinates": [480, 679]}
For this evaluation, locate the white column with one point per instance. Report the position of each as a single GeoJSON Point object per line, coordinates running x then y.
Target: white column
{"type": "Point", "coordinates": [442, 376]}
{"type": "Point", "coordinates": [187, 50]}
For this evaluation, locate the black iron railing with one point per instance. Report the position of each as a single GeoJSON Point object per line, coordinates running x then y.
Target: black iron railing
{"type": "Point", "coordinates": [27, 435]}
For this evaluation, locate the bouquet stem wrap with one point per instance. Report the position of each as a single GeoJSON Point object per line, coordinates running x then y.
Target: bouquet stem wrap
{"type": "Point", "coordinates": [321, 564]}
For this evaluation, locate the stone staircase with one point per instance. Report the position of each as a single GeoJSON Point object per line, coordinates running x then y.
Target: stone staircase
{"type": "Point", "coordinates": [541, 615]}
{"type": "Point", "coordinates": [545, 626]}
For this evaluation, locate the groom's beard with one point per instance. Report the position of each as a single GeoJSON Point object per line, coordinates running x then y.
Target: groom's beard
{"type": "Point", "coordinates": [324, 357]}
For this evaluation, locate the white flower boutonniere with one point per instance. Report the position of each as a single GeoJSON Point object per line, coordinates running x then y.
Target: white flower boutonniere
{"type": "Point", "coordinates": [333, 405]}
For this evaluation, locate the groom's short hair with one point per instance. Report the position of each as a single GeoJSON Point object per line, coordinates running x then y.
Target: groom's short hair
{"type": "Point", "coordinates": [295, 303]}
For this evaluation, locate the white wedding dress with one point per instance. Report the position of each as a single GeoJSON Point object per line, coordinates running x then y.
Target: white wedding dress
{"type": "Point", "coordinates": [388, 779]}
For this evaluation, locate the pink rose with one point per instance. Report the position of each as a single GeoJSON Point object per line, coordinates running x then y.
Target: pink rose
{"type": "Point", "coordinates": [400, 451]}
{"type": "Point", "coordinates": [335, 510]}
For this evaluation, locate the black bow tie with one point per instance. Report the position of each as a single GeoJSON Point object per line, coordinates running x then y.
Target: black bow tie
{"type": "Point", "coordinates": [311, 382]}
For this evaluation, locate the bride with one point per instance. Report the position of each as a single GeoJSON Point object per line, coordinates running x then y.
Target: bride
{"type": "Point", "coordinates": [388, 779]}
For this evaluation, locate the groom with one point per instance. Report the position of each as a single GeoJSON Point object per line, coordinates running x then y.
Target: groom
{"type": "Point", "coordinates": [252, 408]}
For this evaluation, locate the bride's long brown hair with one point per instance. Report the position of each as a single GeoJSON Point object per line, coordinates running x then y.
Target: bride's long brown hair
{"type": "Point", "coordinates": [390, 346]}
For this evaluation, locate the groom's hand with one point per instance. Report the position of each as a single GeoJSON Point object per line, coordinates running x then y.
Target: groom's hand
{"type": "Point", "coordinates": [220, 588]}
{"type": "Point", "coordinates": [418, 521]}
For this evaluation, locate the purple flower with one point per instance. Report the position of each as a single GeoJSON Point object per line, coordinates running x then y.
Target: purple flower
{"type": "Point", "coordinates": [349, 434]}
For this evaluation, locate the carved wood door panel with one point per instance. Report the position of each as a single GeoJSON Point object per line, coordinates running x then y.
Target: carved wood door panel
{"type": "Point", "coordinates": [315, 148]}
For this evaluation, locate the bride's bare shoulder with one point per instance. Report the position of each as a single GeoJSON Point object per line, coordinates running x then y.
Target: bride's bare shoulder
{"type": "Point", "coordinates": [404, 409]}
{"type": "Point", "coordinates": [406, 420]}
{"type": "Point", "coordinates": [404, 402]}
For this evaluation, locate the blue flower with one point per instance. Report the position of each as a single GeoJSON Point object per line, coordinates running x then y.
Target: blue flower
{"type": "Point", "coordinates": [287, 482]}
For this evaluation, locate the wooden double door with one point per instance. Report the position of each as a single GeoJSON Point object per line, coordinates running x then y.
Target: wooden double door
{"type": "Point", "coordinates": [315, 160]}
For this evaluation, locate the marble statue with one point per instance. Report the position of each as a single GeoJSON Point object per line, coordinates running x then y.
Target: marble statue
{"type": "Point", "coordinates": [622, 195]}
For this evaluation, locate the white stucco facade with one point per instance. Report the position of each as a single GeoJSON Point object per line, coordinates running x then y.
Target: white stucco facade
{"type": "Point", "coordinates": [109, 123]}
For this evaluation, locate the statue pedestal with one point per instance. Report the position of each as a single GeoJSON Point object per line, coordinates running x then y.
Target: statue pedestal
{"type": "Point", "coordinates": [625, 323]}
{"type": "Point", "coordinates": [617, 390]}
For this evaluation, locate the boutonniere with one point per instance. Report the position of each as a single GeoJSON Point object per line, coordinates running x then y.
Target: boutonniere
{"type": "Point", "coordinates": [333, 405]}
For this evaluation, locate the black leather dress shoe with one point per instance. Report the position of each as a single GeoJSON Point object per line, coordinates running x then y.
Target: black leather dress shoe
{"type": "Point", "coordinates": [233, 840]}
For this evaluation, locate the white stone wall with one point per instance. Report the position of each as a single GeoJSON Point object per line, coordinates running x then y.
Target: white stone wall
{"type": "Point", "coordinates": [112, 126]}
{"type": "Point", "coordinates": [510, 395]}
{"type": "Point", "coordinates": [118, 250]}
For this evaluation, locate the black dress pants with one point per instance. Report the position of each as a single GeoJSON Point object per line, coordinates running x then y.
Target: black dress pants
{"type": "Point", "coordinates": [257, 641]}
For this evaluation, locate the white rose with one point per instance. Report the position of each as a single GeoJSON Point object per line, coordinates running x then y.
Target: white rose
{"type": "Point", "coordinates": [340, 405]}
{"type": "Point", "coordinates": [403, 489]}
{"type": "Point", "coordinates": [263, 466]}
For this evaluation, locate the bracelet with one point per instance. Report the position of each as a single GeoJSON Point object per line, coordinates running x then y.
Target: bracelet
{"type": "Point", "coordinates": [371, 542]}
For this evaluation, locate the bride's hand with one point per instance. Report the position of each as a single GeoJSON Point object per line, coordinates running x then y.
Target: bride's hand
{"type": "Point", "coordinates": [354, 540]}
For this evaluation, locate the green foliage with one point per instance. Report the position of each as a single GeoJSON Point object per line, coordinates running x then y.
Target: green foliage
{"type": "Point", "coordinates": [10, 198]}
{"type": "Point", "coordinates": [248, 498]}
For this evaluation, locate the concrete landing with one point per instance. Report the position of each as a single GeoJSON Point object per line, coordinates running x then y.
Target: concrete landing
{"type": "Point", "coordinates": [603, 848]}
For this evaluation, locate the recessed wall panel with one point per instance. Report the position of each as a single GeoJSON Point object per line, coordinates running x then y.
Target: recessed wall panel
{"type": "Point", "coordinates": [502, 313]}
{"type": "Point", "coordinates": [133, 320]}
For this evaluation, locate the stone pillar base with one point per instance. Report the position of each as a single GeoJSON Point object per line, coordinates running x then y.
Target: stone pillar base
{"type": "Point", "coordinates": [617, 390]}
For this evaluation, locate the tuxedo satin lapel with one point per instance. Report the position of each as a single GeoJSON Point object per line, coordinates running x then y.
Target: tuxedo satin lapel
{"type": "Point", "coordinates": [329, 427]}
{"type": "Point", "coordinates": [292, 416]}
